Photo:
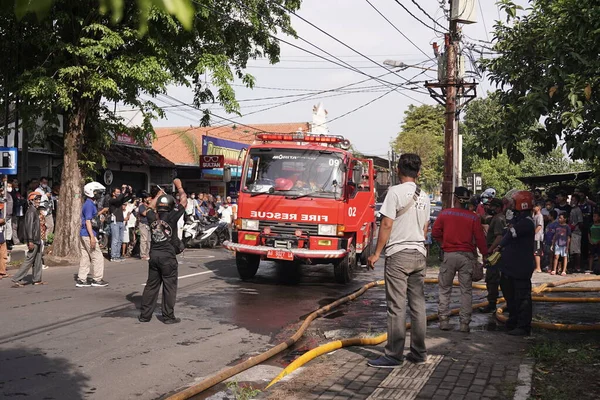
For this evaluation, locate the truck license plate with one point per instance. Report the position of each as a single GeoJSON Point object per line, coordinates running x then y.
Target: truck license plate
{"type": "Point", "coordinates": [280, 255]}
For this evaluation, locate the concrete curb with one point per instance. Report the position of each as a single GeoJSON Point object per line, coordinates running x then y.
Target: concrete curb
{"type": "Point", "coordinates": [523, 389]}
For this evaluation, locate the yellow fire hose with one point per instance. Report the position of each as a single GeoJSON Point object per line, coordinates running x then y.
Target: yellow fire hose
{"type": "Point", "coordinates": [328, 347]}
{"type": "Point", "coordinates": [251, 362]}
{"type": "Point", "coordinates": [331, 346]}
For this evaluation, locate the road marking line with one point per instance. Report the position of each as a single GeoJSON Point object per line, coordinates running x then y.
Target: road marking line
{"type": "Point", "coordinates": [190, 275]}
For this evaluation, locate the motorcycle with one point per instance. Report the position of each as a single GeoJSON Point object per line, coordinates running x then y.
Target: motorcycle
{"type": "Point", "coordinates": [204, 232]}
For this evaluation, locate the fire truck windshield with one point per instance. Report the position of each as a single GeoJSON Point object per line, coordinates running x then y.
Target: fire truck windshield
{"type": "Point", "coordinates": [294, 172]}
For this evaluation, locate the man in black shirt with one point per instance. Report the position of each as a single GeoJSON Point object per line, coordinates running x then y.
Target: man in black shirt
{"type": "Point", "coordinates": [117, 225]}
{"type": "Point", "coordinates": [165, 245]}
{"type": "Point", "coordinates": [562, 206]}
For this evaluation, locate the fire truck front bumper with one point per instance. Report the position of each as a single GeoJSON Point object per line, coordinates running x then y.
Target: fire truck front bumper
{"type": "Point", "coordinates": [298, 253]}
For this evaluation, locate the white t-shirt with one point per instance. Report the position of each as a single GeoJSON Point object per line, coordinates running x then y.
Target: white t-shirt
{"type": "Point", "coordinates": [226, 214]}
{"type": "Point", "coordinates": [407, 230]}
{"type": "Point", "coordinates": [538, 219]}
{"type": "Point", "coordinates": [129, 208]}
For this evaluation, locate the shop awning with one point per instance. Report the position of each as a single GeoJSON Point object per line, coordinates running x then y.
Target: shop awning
{"type": "Point", "coordinates": [555, 178]}
{"type": "Point", "coordinates": [130, 155]}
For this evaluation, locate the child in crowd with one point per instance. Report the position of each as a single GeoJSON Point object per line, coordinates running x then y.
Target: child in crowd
{"type": "Point", "coordinates": [594, 237]}
{"type": "Point", "coordinates": [561, 243]}
{"type": "Point", "coordinates": [549, 238]}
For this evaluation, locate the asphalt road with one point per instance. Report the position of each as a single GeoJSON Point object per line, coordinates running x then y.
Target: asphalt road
{"type": "Point", "coordinates": [62, 342]}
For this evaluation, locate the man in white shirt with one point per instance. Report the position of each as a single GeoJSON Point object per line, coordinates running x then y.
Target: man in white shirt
{"type": "Point", "coordinates": [226, 213]}
{"type": "Point", "coordinates": [402, 233]}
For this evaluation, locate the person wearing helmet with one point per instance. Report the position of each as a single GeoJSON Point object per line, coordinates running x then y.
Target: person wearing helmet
{"type": "Point", "coordinates": [517, 264]}
{"type": "Point", "coordinates": [456, 228]}
{"type": "Point", "coordinates": [91, 259]}
{"type": "Point", "coordinates": [165, 245]}
{"type": "Point", "coordinates": [33, 239]}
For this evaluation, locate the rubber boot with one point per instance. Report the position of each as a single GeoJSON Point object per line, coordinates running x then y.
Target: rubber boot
{"type": "Point", "coordinates": [444, 325]}
{"type": "Point", "coordinates": [490, 308]}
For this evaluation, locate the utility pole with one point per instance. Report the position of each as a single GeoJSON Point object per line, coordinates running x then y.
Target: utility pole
{"type": "Point", "coordinates": [449, 130]}
{"type": "Point", "coordinates": [452, 88]}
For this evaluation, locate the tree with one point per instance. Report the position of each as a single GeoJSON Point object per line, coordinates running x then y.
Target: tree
{"type": "Point", "coordinates": [183, 10]}
{"type": "Point", "coordinates": [547, 67]}
{"type": "Point", "coordinates": [76, 62]}
{"type": "Point", "coordinates": [422, 132]}
{"type": "Point", "coordinates": [483, 117]}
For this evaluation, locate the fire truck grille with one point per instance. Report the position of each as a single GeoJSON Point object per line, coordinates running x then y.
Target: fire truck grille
{"type": "Point", "coordinates": [289, 228]}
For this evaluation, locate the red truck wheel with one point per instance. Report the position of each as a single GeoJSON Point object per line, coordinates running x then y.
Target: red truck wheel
{"type": "Point", "coordinates": [247, 265]}
{"type": "Point", "coordinates": [345, 268]}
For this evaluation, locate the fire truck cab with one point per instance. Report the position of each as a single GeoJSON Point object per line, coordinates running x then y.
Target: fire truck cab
{"type": "Point", "coordinates": [304, 199]}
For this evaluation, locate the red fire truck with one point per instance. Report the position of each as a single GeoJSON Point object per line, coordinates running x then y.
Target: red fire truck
{"type": "Point", "coordinates": [304, 199]}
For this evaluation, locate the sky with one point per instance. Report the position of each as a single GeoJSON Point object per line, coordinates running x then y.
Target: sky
{"type": "Point", "coordinates": [358, 25]}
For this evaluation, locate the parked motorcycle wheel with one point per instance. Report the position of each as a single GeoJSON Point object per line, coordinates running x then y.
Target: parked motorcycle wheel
{"type": "Point", "coordinates": [212, 241]}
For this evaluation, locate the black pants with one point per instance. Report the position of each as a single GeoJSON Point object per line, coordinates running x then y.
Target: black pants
{"type": "Point", "coordinates": [161, 270]}
{"type": "Point", "coordinates": [492, 280]}
{"type": "Point", "coordinates": [517, 293]}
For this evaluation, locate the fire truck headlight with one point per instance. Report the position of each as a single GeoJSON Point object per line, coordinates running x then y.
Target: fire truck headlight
{"type": "Point", "coordinates": [327, 230]}
{"type": "Point", "coordinates": [250, 224]}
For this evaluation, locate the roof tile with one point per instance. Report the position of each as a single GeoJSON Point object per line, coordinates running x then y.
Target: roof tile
{"type": "Point", "coordinates": [183, 145]}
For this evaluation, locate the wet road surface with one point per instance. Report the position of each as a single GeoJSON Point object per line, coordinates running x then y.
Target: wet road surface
{"type": "Point", "coordinates": [62, 342]}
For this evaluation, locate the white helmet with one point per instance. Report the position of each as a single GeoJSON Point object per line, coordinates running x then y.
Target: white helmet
{"type": "Point", "coordinates": [490, 193]}
{"type": "Point", "coordinates": [93, 190]}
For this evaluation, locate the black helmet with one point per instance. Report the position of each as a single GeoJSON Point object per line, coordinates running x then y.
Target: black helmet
{"type": "Point", "coordinates": [165, 203]}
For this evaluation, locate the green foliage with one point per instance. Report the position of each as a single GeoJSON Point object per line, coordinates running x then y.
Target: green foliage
{"type": "Point", "coordinates": [547, 69]}
{"type": "Point", "coordinates": [242, 392]}
{"type": "Point", "coordinates": [422, 132]}
{"type": "Point", "coordinates": [50, 238]}
{"type": "Point", "coordinates": [483, 118]}
{"type": "Point", "coordinates": [183, 10]}
{"type": "Point", "coordinates": [78, 58]}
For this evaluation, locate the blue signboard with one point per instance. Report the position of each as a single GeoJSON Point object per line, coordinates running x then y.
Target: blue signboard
{"type": "Point", "coordinates": [8, 160]}
{"type": "Point", "coordinates": [232, 152]}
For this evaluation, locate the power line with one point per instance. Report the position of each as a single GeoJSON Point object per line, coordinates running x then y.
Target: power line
{"type": "Point", "coordinates": [414, 16]}
{"type": "Point", "coordinates": [399, 31]}
{"type": "Point", "coordinates": [483, 20]}
{"type": "Point", "coordinates": [429, 16]}
{"type": "Point", "coordinates": [359, 107]}
{"type": "Point", "coordinates": [352, 68]}
{"type": "Point", "coordinates": [304, 68]}
{"type": "Point", "coordinates": [316, 90]}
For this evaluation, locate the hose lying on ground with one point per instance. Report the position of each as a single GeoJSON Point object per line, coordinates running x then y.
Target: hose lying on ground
{"type": "Point", "coordinates": [536, 296]}
{"type": "Point", "coordinates": [251, 362]}
{"type": "Point", "coordinates": [338, 344]}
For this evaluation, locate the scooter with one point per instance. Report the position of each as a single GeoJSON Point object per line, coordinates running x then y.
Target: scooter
{"type": "Point", "coordinates": [204, 232]}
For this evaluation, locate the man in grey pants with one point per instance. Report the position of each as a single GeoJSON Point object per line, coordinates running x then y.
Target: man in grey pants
{"type": "Point", "coordinates": [460, 231]}
{"type": "Point", "coordinates": [402, 232]}
{"type": "Point", "coordinates": [34, 244]}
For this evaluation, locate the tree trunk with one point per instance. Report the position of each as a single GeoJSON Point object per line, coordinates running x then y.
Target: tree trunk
{"type": "Point", "coordinates": [65, 248]}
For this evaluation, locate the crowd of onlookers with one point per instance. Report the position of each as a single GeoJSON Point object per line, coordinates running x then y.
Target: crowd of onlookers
{"type": "Point", "coordinates": [124, 214]}
{"type": "Point", "coordinates": [567, 230]}
{"type": "Point", "coordinates": [121, 218]}
{"type": "Point", "coordinates": [27, 217]}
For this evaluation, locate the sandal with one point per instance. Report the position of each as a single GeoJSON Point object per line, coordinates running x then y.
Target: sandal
{"type": "Point", "coordinates": [40, 283]}
{"type": "Point", "coordinates": [17, 285]}
{"type": "Point", "coordinates": [563, 273]}
{"type": "Point", "coordinates": [552, 272]}
{"type": "Point", "coordinates": [5, 276]}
